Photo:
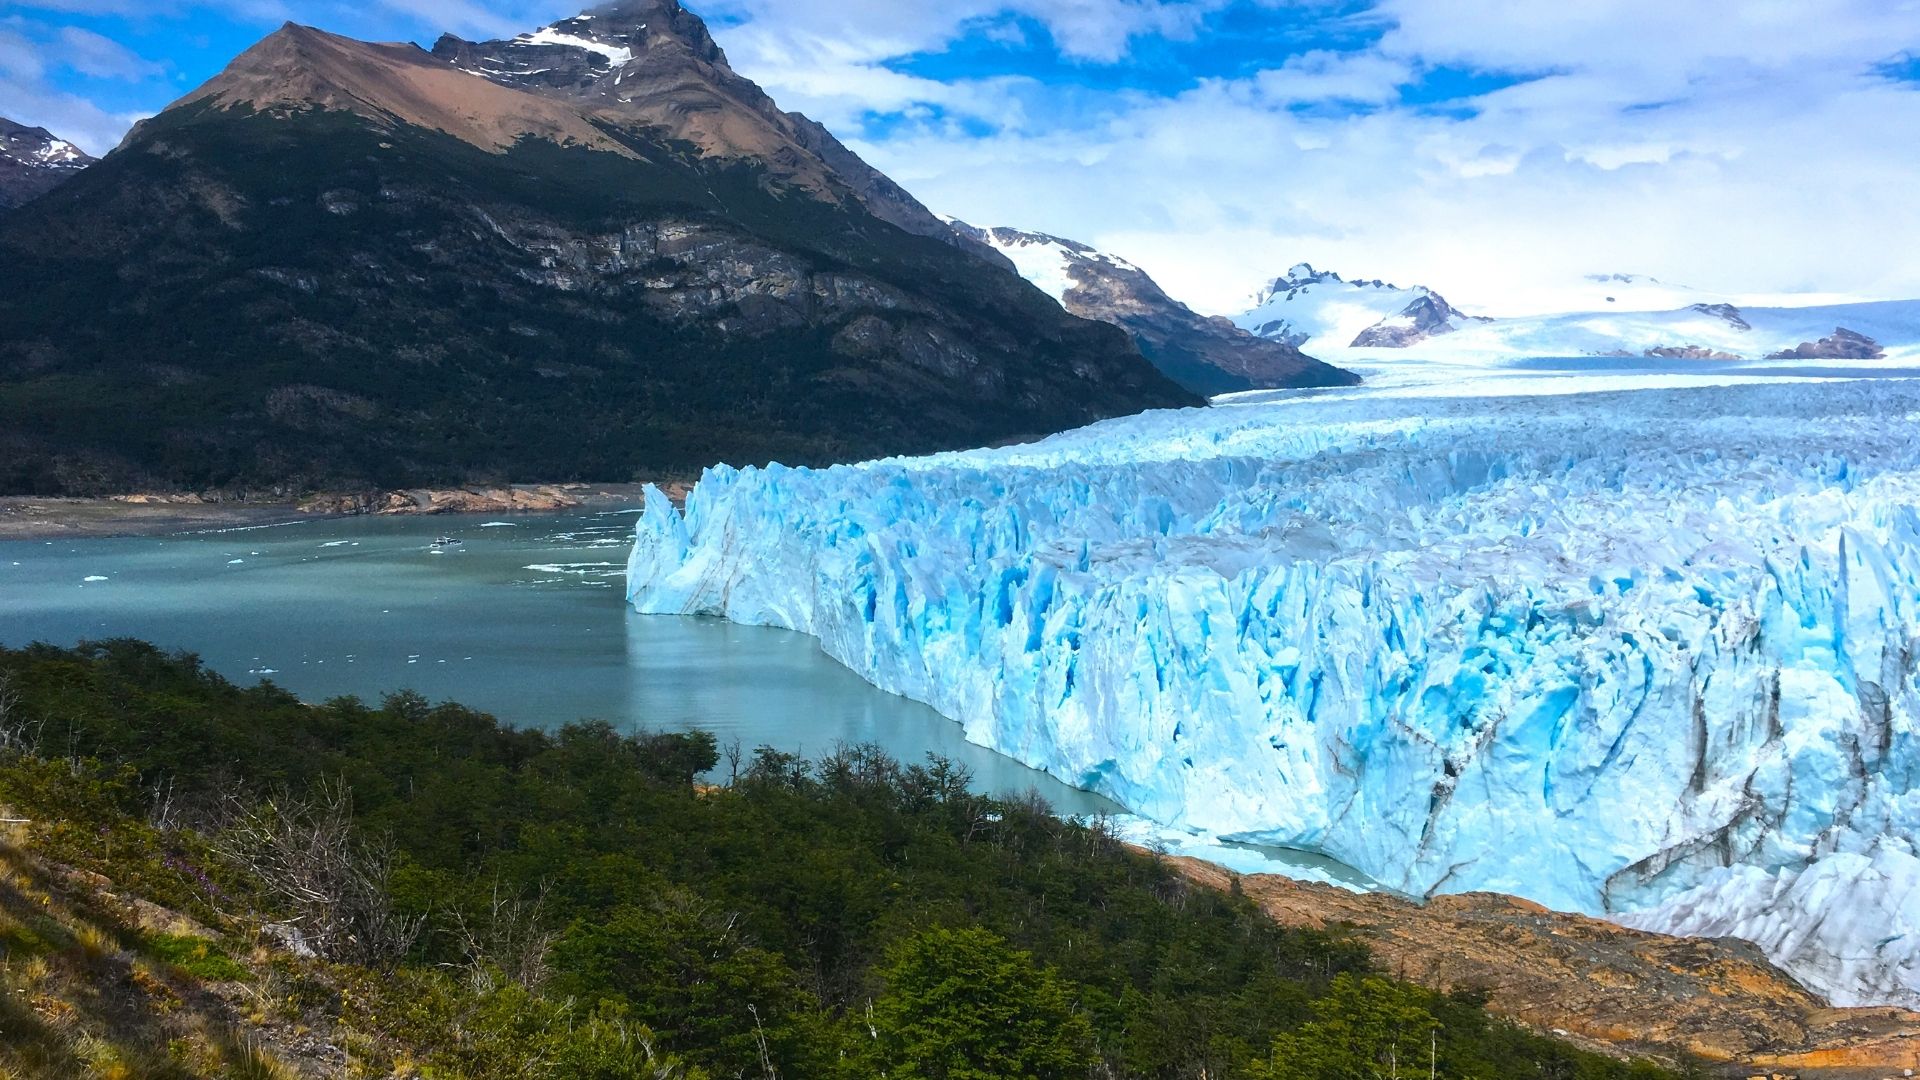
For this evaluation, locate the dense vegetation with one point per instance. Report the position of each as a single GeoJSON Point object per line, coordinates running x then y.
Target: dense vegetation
{"type": "Point", "coordinates": [587, 903]}
{"type": "Point", "coordinates": [239, 302]}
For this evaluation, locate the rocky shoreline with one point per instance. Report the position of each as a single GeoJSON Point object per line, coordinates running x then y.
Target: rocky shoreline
{"type": "Point", "coordinates": [152, 514]}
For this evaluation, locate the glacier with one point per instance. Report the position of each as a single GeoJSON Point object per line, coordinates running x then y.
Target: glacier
{"type": "Point", "coordinates": [1635, 647]}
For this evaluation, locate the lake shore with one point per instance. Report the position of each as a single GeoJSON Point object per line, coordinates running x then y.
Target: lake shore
{"type": "Point", "coordinates": [24, 517]}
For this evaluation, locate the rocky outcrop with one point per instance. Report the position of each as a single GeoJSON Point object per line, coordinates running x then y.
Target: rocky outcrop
{"type": "Point", "coordinates": [1842, 344]}
{"type": "Point", "coordinates": [1427, 316]}
{"type": "Point", "coordinates": [1206, 356]}
{"type": "Point", "coordinates": [33, 162]}
{"type": "Point", "coordinates": [1690, 352]}
{"type": "Point", "coordinates": [1726, 312]}
{"type": "Point", "coordinates": [1604, 986]}
{"type": "Point", "coordinates": [536, 498]}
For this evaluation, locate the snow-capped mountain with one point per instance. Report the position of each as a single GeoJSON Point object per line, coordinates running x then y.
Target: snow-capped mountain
{"type": "Point", "coordinates": [1622, 315]}
{"type": "Point", "coordinates": [1206, 356]}
{"type": "Point", "coordinates": [34, 161]}
{"type": "Point", "coordinates": [1649, 650]}
{"type": "Point", "coordinates": [1318, 309]}
{"type": "Point", "coordinates": [1700, 331]}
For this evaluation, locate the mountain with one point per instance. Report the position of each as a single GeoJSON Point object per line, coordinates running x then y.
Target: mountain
{"type": "Point", "coordinates": [33, 162]}
{"type": "Point", "coordinates": [652, 63]}
{"type": "Point", "coordinates": [341, 264]}
{"type": "Point", "coordinates": [1631, 315]}
{"type": "Point", "coordinates": [1206, 356]}
{"type": "Point", "coordinates": [1701, 331]}
{"type": "Point", "coordinates": [1424, 317]}
{"type": "Point", "coordinates": [1320, 309]}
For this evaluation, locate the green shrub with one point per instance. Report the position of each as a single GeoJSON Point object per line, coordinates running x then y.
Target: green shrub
{"type": "Point", "coordinates": [196, 956]}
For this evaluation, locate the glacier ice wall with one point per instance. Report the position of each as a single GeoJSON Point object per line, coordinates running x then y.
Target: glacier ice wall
{"type": "Point", "coordinates": [1592, 649]}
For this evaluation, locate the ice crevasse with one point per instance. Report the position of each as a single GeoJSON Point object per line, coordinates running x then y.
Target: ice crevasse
{"type": "Point", "coordinates": [1648, 652]}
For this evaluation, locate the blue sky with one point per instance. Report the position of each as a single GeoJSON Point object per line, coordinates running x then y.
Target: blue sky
{"type": "Point", "coordinates": [1495, 149]}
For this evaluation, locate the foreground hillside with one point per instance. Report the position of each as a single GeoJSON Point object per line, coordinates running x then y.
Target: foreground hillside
{"type": "Point", "coordinates": [346, 265]}
{"type": "Point", "coordinates": [216, 881]}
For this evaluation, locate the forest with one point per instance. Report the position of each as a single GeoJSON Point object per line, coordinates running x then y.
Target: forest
{"type": "Point", "coordinates": [438, 893]}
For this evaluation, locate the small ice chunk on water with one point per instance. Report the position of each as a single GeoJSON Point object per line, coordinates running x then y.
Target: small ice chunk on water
{"type": "Point", "coordinates": [235, 562]}
{"type": "Point", "coordinates": [89, 577]}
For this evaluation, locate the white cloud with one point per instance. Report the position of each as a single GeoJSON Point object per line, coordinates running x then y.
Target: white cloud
{"type": "Point", "coordinates": [1740, 147]}
{"type": "Point", "coordinates": [1322, 75]}
{"type": "Point", "coordinates": [101, 57]}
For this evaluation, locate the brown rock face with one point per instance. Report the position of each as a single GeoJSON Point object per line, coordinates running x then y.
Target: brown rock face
{"type": "Point", "coordinates": [298, 69]}
{"type": "Point", "coordinates": [1602, 985]}
{"type": "Point", "coordinates": [1428, 316]}
{"type": "Point", "coordinates": [1842, 344]}
{"type": "Point", "coordinates": [653, 63]}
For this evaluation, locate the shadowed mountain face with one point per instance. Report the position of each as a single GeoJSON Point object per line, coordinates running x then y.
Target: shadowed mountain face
{"type": "Point", "coordinates": [33, 162]}
{"type": "Point", "coordinates": [1206, 356]}
{"type": "Point", "coordinates": [343, 264]}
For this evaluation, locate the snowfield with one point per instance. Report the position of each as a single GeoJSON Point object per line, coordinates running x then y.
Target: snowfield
{"type": "Point", "coordinates": [1616, 644]}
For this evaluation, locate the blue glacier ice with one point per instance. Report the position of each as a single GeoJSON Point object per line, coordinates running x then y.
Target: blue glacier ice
{"type": "Point", "coordinates": [1647, 651]}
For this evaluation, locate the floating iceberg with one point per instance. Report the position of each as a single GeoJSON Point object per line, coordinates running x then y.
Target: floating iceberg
{"type": "Point", "coordinates": [1648, 651]}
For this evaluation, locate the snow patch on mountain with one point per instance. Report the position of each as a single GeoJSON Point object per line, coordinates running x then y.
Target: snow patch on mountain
{"type": "Point", "coordinates": [1046, 261]}
{"type": "Point", "coordinates": [1607, 650]}
{"type": "Point", "coordinates": [616, 55]}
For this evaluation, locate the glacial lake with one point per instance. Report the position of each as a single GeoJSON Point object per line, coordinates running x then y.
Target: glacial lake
{"type": "Point", "coordinates": [526, 619]}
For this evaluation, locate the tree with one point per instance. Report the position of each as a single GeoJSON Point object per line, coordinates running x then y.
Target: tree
{"type": "Point", "coordinates": [966, 1005]}
{"type": "Point", "coordinates": [1363, 1029]}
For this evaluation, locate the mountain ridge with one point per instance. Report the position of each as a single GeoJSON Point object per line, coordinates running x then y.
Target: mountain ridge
{"type": "Point", "coordinates": [374, 270]}
{"type": "Point", "coordinates": [1204, 355]}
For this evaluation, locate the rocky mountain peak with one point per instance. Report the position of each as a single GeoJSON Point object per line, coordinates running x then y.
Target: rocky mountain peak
{"type": "Point", "coordinates": [652, 65]}
{"type": "Point", "coordinates": [1302, 276]}
{"type": "Point", "coordinates": [33, 161]}
{"type": "Point", "coordinates": [597, 53]}
{"type": "Point", "coordinates": [36, 147]}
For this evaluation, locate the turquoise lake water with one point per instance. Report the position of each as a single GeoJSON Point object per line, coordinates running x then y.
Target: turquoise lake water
{"type": "Point", "coordinates": [526, 620]}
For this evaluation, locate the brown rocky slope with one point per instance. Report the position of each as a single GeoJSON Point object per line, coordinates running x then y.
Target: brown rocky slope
{"type": "Point", "coordinates": [1600, 985]}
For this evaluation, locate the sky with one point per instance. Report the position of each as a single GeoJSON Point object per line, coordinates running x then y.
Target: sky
{"type": "Point", "coordinates": [1494, 150]}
